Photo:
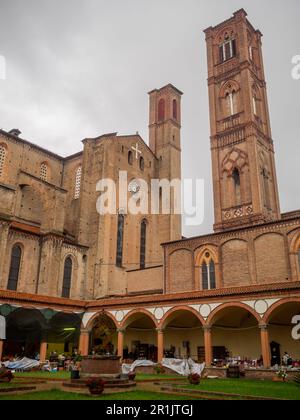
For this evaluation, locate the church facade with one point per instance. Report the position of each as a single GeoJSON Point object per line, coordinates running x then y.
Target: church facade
{"type": "Point", "coordinates": [131, 283]}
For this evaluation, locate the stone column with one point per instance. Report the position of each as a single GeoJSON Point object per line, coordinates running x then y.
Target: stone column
{"type": "Point", "coordinates": [84, 342]}
{"type": "Point", "coordinates": [43, 352]}
{"type": "Point", "coordinates": [265, 345]}
{"type": "Point", "coordinates": [160, 344]}
{"type": "Point", "coordinates": [1, 348]}
{"type": "Point", "coordinates": [208, 345]}
{"type": "Point", "coordinates": [121, 343]}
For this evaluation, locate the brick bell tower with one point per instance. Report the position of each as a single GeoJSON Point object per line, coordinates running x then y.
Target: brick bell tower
{"type": "Point", "coordinates": [244, 175]}
{"type": "Point", "coordinates": [165, 143]}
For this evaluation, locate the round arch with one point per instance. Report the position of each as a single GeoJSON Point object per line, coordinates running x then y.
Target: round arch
{"type": "Point", "coordinates": [91, 322]}
{"type": "Point", "coordinates": [212, 318]}
{"type": "Point", "coordinates": [136, 313]}
{"type": "Point", "coordinates": [173, 311]}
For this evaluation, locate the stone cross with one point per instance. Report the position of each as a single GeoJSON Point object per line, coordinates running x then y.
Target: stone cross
{"type": "Point", "coordinates": [137, 151]}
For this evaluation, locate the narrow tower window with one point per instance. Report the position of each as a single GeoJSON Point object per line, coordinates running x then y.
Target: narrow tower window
{"type": "Point", "coordinates": [14, 271]}
{"type": "Point", "coordinates": [237, 187]}
{"type": "Point", "coordinates": [67, 280]}
{"type": "Point", "coordinates": [267, 200]}
{"type": "Point", "coordinates": [2, 158]}
{"type": "Point", "coordinates": [175, 112]}
{"type": "Point", "coordinates": [120, 236]}
{"type": "Point", "coordinates": [78, 182]}
{"type": "Point", "coordinates": [161, 110]}
{"type": "Point", "coordinates": [227, 50]}
{"type": "Point", "coordinates": [142, 164]}
{"type": "Point", "coordinates": [143, 245]}
{"type": "Point", "coordinates": [231, 103]}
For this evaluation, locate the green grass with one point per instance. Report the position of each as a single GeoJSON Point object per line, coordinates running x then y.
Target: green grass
{"type": "Point", "coordinates": [249, 387]}
{"type": "Point", "coordinates": [56, 395]}
{"type": "Point", "coordinates": [143, 377]}
{"type": "Point", "coordinates": [44, 375]}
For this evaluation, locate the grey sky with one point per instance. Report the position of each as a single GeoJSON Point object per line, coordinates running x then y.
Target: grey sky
{"type": "Point", "coordinates": [83, 68]}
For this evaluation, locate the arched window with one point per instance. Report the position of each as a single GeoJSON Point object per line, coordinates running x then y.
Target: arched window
{"type": "Point", "coordinates": [120, 237]}
{"type": "Point", "coordinates": [237, 186]}
{"type": "Point", "coordinates": [143, 244]}
{"type": "Point", "coordinates": [208, 273]}
{"type": "Point", "coordinates": [14, 270]}
{"type": "Point", "coordinates": [142, 164]}
{"type": "Point", "coordinates": [231, 103]}
{"type": "Point", "coordinates": [44, 171]}
{"type": "Point", "coordinates": [78, 183]}
{"type": "Point", "coordinates": [2, 158]}
{"type": "Point", "coordinates": [227, 49]}
{"type": "Point", "coordinates": [130, 157]}
{"type": "Point", "coordinates": [175, 111]}
{"type": "Point", "coordinates": [66, 289]}
{"type": "Point", "coordinates": [266, 189]}
{"type": "Point", "coordinates": [161, 110]}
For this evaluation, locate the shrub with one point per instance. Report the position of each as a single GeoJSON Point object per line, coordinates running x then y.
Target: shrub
{"type": "Point", "coordinates": [194, 379]}
{"type": "Point", "coordinates": [159, 369]}
{"type": "Point", "coordinates": [95, 385]}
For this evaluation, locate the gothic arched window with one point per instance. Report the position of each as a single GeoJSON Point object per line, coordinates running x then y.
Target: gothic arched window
{"type": "Point", "coordinates": [237, 186]}
{"type": "Point", "coordinates": [14, 270]}
{"type": "Point", "coordinates": [120, 237]}
{"type": "Point", "coordinates": [78, 183]}
{"type": "Point", "coordinates": [227, 49]}
{"type": "Point", "coordinates": [161, 110]}
{"type": "Point", "coordinates": [175, 110]}
{"type": "Point", "coordinates": [67, 280]}
{"type": "Point", "coordinates": [2, 158]}
{"type": "Point", "coordinates": [44, 171]}
{"type": "Point", "coordinates": [143, 244]}
{"type": "Point", "coordinates": [130, 157]}
{"type": "Point", "coordinates": [208, 273]}
{"type": "Point", "coordinates": [231, 103]}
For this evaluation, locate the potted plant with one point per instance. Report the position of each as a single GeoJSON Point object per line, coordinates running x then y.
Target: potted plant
{"type": "Point", "coordinates": [95, 386]}
{"type": "Point", "coordinates": [131, 376]}
{"type": "Point", "coordinates": [159, 369]}
{"type": "Point", "coordinates": [281, 375]}
{"type": "Point", "coordinates": [194, 379]}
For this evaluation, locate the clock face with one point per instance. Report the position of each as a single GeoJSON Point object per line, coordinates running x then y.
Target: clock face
{"type": "Point", "coordinates": [134, 187]}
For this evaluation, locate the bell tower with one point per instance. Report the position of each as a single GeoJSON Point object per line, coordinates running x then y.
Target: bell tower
{"type": "Point", "coordinates": [244, 174]}
{"type": "Point", "coordinates": [165, 143]}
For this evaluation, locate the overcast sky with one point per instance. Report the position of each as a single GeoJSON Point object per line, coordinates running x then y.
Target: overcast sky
{"type": "Point", "coordinates": [81, 68]}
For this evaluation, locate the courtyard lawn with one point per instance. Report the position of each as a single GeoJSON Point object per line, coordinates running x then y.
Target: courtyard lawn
{"type": "Point", "coordinates": [248, 388]}
{"type": "Point", "coordinates": [44, 375]}
{"type": "Point", "coordinates": [56, 395]}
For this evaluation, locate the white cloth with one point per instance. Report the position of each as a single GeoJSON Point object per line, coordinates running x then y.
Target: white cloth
{"type": "Point", "coordinates": [22, 364]}
{"type": "Point", "coordinates": [138, 363]}
{"type": "Point", "coordinates": [183, 367]}
{"type": "Point", "coordinates": [2, 328]}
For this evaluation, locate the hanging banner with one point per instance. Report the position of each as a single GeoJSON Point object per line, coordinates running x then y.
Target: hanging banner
{"type": "Point", "coordinates": [2, 328]}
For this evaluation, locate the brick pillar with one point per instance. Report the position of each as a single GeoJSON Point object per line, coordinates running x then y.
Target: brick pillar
{"type": "Point", "coordinates": [265, 345]}
{"type": "Point", "coordinates": [43, 352]}
{"type": "Point", "coordinates": [208, 345]}
{"type": "Point", "coordinates": [84, 343]}
{"type": "Point", "coordinates": [121, 343]}
{"type": "Point", "coordinates": [160, 345]}
{"type": "Point", "coordinates": [1, 348]}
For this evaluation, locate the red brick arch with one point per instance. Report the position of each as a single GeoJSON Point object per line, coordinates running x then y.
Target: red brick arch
{"type": "Point", "coordinates": [136, 312]}
{"type": "Point", "coordinates": [211, 318]}
{"type": "Point", "coordinates": [277, 305]}
{"type": "Point", "coordinates": [89, 326]}
{"type": "Point", "coordinates": [178, 309]}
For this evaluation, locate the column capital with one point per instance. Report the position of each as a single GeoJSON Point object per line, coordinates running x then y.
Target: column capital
{"type": "Point", "coordinates": [121, 330]}
{"type": "Point", "coordinates": [207, 328]}
{"type": "Point", "coordinates": [160, 330]}
{"type": "Point", "coordinates": [263, 327]}
{"type": "Point", "coordinates": [85, 331]}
